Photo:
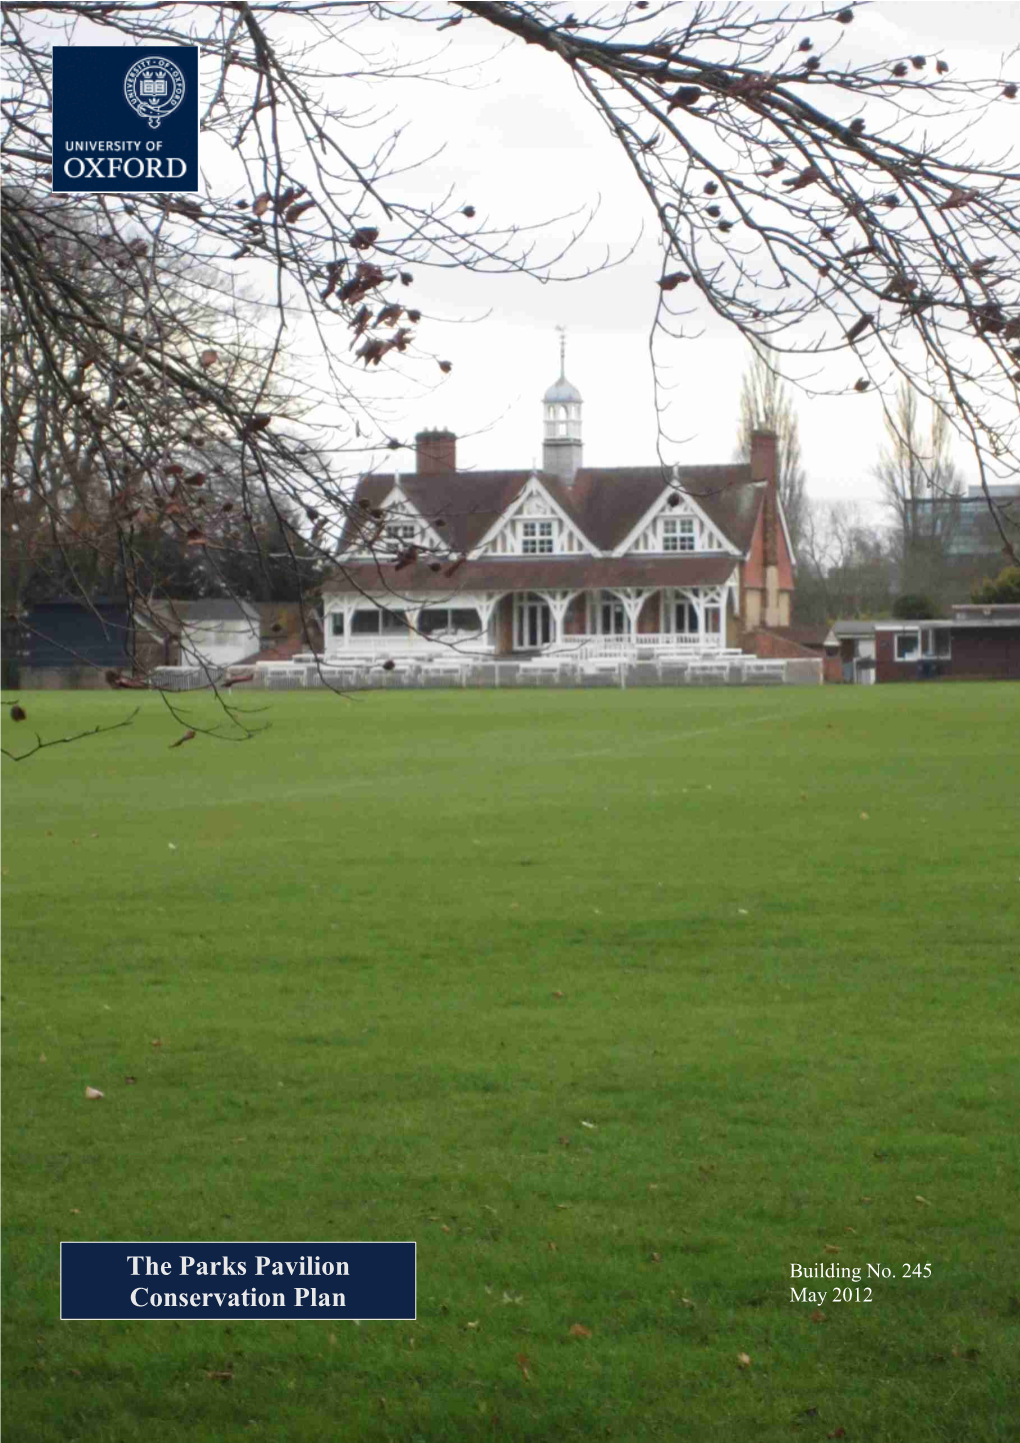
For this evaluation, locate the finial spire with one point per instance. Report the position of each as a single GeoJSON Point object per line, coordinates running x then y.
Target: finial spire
{"type": "Point", "coordinates": [563, 352]}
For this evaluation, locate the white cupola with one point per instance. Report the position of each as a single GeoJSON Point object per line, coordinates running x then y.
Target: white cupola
{"type": "Point", "coordinates": [561, 406]}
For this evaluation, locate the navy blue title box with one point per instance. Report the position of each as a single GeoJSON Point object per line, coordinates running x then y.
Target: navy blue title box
{"type": "Point", "coordinates": [237, 1280]}
{"type": "Point", "coordinates": [125, 119]}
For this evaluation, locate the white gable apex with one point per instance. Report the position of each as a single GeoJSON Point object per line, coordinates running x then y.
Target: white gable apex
{"type": "Point", "coordinates": [401, 512]}
{"type": "Point", "coordinates": [534, 524]}
{"type": "Point", "coordinates": [679, 529]}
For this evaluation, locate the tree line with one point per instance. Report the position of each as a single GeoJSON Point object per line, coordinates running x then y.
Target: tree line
{"type": "Point", "coordinates": [933, 545]}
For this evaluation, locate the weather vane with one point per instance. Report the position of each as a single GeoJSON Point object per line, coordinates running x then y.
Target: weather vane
{"type": "Point", "coordinates": [563, 351]}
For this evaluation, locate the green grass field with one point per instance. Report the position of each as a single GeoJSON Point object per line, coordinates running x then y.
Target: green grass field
{"type": "Point", "coordinates": [785, 925]}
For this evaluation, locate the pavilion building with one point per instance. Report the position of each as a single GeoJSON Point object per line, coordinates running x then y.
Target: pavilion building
{"type": "Point", "coordinates": [517, 561]}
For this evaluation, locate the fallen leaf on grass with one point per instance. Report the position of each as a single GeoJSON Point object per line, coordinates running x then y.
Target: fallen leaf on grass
{"type": "Point", "coordinates": [42, 1057]}
{"type": "Point", "coordinates": [557, 994]}
{"type": "Point", "coordinates": [475, 1324]}
{"type": "Point", "coordinates": [550, 1247]}
{"type": "Point", "coordinates": [920, 1199]}
{"type": "Point", "coordinates": [157, 1042]}
{"type": "Point", "coordinates": [130, 1079]}
{"type": "Point", "coordinates": [76, 1212]}
{"type": "Point", "coordinates": [687, 1302]}
{"type": "Point", "coordinates": [220, 1377]}
{"type": "Point", "coordinates": [523, 1362]}
{"type": "Point", "coordinates": [837, 1433]}
{"type": "Point", "coordinates": [818, 1316]}
{"type": "Point", "coordinates": [92, 1093]}
{"type": "Point", "coordinates": [743, 1360]}
{"type": "Point", "coordinates": [656, 1257]}
{"type": "Point", "coordinates": [587, 1124]}
{"type": "Point", "coordinates": [831, 1248]}
{"type": "Point", "coordinates": [578, 1330]}
{"type": "Point", "coordinates": [864, 816]}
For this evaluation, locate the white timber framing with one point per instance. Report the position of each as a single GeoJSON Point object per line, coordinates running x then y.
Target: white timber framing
{"type": "Point", "coordinates": [648, 536]}
{"type": "Point", "coordinates": [399, 511]}
{"type": "Point", "coordinates": [346, 604]}
{"type": "Point", "coordinates": [506, 536]}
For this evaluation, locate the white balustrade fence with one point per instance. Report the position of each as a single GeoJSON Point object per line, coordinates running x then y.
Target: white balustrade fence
{"type": "Point", "coordinates": [697, 668]}
{"type": "Point", "coordinates": [673, 667]}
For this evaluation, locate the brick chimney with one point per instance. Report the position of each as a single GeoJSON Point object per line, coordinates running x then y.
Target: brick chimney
{"type": "Point", "coordinates": [436, 452]}
{"type": "Point", "coordinates": [765, 468]}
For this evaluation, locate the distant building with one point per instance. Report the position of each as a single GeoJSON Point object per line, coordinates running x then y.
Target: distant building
{"type": "Point", "coordinates": [963, 538]}
{"type": "Point", "coordinates": [517, 561]}
{"type": "Point", "coordinates": [979, 643]}
{"type": "Point", "coordinates": [69, 643]}
{"type": "Point", "coordinates": [213, 633]}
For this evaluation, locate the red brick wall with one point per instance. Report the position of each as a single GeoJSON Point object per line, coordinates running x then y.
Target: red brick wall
{"type": "Point", "coordinates": [979, 654]}
{"type": "Point", "coordinates": [832, 667]}
{"type": "Point", "coordinates": [987, 654]}
{"type": "Point", "coordinates": [769, 644]}
{"type": "Point", "coordinates": [436, 452]}
{"type": "Point", "coordinates": [887, 668]}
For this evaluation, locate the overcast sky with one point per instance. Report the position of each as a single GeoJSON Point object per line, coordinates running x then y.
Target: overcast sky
{"type": "Point", "coordinates": [521, 144]}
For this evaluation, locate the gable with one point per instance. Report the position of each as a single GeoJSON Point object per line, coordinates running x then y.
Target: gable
{"type": "Point", "coordinates": [535, 524]}
{"type": "Point", "coordinates": [599, 514]}
{"type": "Point", "coordinates": [402, 525]}
{"type": "Point", "coordinates": [679, 529]}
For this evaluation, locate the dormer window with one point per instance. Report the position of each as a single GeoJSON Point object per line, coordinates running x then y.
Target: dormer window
{"type": "Point", "coordinates": [537, 538]}
{"type": "Point", "coordinates": [678, 533]}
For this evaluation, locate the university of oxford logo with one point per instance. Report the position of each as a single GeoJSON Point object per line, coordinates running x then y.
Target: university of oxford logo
{"type": "Point", "coordinates": [154, 88]}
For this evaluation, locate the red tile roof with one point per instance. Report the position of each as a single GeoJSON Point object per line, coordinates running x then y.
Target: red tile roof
{"type": "Point", "coordinates": [530, 573]}
{"type": "Point", "coordinates": [605, 503]}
